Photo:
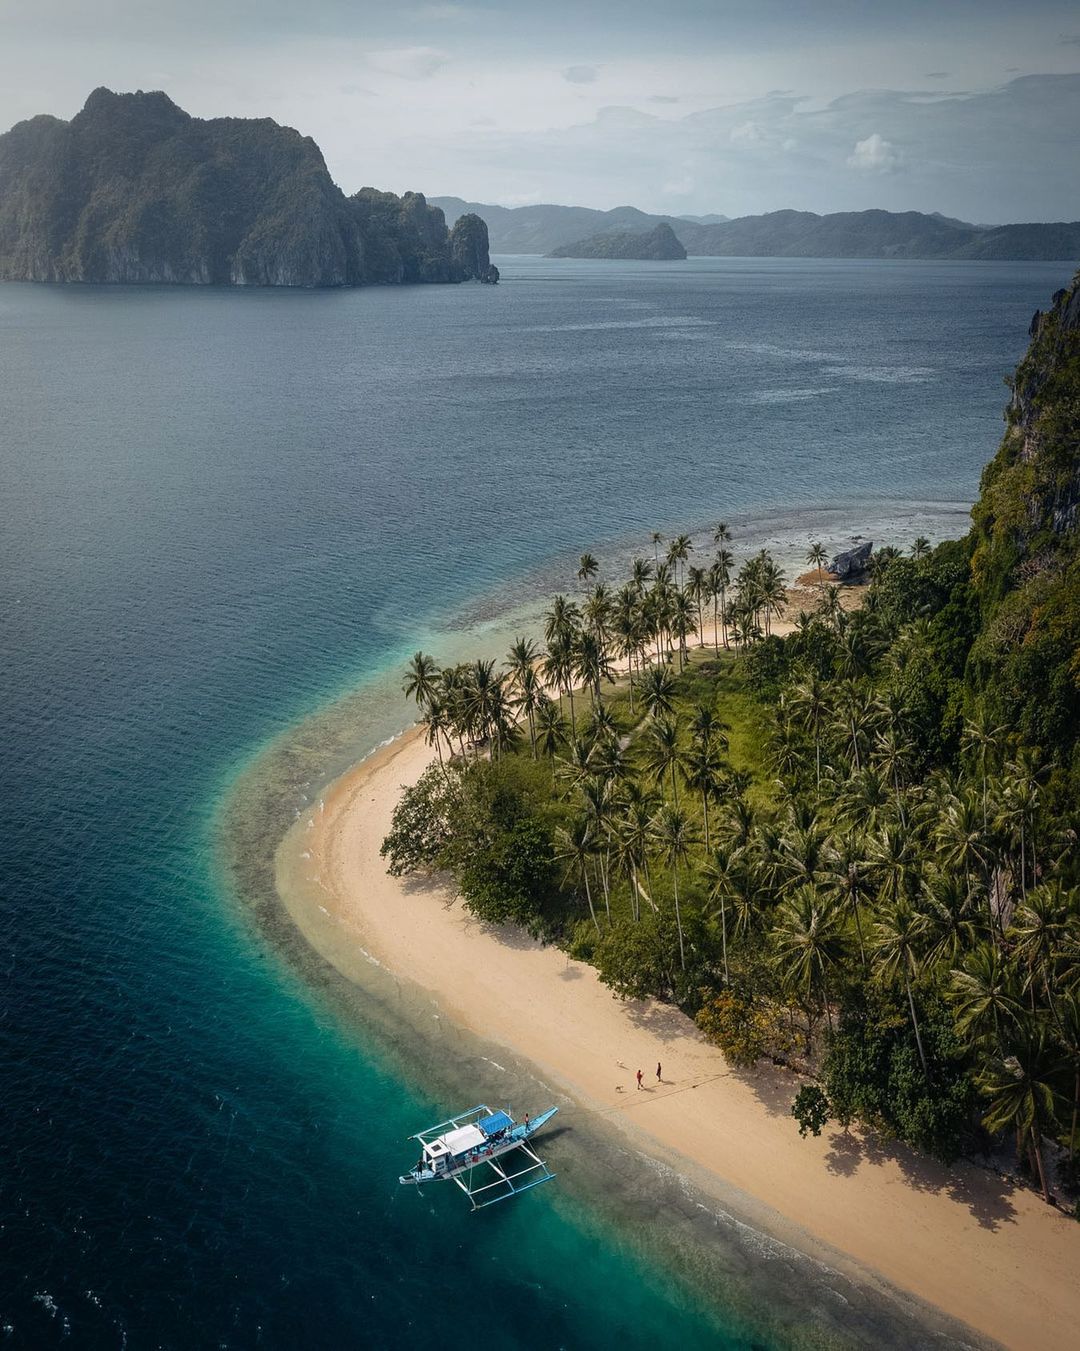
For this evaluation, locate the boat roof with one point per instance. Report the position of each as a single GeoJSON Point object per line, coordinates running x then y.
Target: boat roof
{"type": "Point", "coordinates": [458, 1141]}
{"type": "Point", "coordinates": [497, 1121]}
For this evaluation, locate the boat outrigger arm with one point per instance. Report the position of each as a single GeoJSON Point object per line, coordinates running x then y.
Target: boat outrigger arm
{"type": "Point", "coordinates": [465, 1147]}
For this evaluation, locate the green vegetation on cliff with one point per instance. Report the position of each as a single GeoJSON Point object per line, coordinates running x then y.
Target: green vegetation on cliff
{"type": "Point", "coordinates": [852, 849]}
{"type": "Point", "coordinates": [133, 189]}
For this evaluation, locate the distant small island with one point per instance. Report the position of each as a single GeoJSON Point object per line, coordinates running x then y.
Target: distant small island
{"type": "Point", "coordinates": [133, 189]}
{"type": "Point", "coordinates": [658, 244]}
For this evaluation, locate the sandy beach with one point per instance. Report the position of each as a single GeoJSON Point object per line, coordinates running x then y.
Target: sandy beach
{"type": "Point", "coordinates": [981, 1250]}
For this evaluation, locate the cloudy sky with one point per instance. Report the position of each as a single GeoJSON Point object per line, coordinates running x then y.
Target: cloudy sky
{"type": "Point", "coordinates": [970, 107]}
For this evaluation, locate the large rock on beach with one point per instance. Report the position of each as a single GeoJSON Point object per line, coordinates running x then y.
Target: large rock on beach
{"type": "Point", "coordinates": [852, 562]}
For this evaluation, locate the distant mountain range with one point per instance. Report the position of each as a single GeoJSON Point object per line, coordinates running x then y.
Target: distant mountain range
{"type": "Point", "coordinates": [133, 189]}
{"type": "Point", "coordinates": [779, 234]}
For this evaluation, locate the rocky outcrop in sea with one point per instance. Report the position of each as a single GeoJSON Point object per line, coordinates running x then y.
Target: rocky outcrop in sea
{"type": "Point", "coordinates": [133, 189]}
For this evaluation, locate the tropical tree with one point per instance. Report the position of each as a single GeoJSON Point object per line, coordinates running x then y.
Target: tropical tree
{"type": "Point", "coordinates": [674, 837]}
{"type": "Point", "coordinates": [809, 946]}
{"type": "Point", "coordinates": [1023, 1085]}
{"type": "Point", "coordinates": [702, 767]}
{"type": "Point", "coordinates": [899, 943]}
{"type": "Point", "coordinates": [421, 679]}
{"type": "Point", "coordinates": [658, 690]}
{"type": "Point", "coordinates": [661, 750]}
{"type": "Point", "coordinates": [551, 728]}
{"type": "Point", "coordinates": [574, 844]}
{"type": "Point", "coordinates": [588, 567]}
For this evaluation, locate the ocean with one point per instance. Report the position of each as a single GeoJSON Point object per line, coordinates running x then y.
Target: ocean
{"type": "Point", "coordinates": [224, 512]}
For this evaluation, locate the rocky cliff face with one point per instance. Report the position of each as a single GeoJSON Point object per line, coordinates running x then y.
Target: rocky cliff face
{"type": "Point", "coordinates": [1030, 500]}
{"type": "Point", "coordinates": [133, 189]}
{"type": "Point", "coordinates": [1026, 539]}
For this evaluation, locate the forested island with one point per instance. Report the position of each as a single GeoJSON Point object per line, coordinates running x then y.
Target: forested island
{"type": "Point", "coordinates": [850, 849]}
{"type": "Point", "coordinates": [658, 244]}
{"type": "Point", "coordinates": [133, 189]}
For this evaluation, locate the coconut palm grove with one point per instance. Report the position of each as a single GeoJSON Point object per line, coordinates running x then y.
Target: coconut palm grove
{"type": "Point", "coordinates": [851, 849]}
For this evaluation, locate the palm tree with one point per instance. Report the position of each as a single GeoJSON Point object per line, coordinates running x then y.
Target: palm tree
{"type": "Point", "coordinates": [521, 666]}
{"type": "Point", "coordinates": [983, 737]}
{"type": "Point", "coordinates": [661, 750]}
{"type": "Point", "coordinates": [437, 725]}
{"type": "Point", "coordinates": [721, 533]}
{"type": "Point", "coordinates": [588, 567]}
{"type": "Point", "coordinates": [1022, 1086]}
{"type": "Point", "coordinates": [816, 557]}
{"type": "Point", "coordinates": [810, 702]}
{"type": "Point", "coordinates": [550, 728]}
{"type": "Point", "coordinates": [421, 679]}
{"type": "Point", "coordinates": [701, 768]}
{"type": "Point", "coordinates": [658, 690]}
{"type": "Point", "coordinates": [557, 669]}
{"type": "Point", "coordinates": [574, 843]}
{"type": "Point", "coordinates": [592, 664]}
{"type": "Point", "coordinates": [640, 574]}
{"type": "Point", "coordinates": [682, 622]}
{"type": "Point", "coordinates": [657, 540]}
{"type": "Point", "coordinates": [720, 872]}
{"type": "Point", "coordinates": [720, 580]}
{"type": "Point", "coordinates": [848, 873]}
{"type": "Point", "coordinates": [1041, 931]}
{"type": "Point", "coordinates": [530, 699]}
{"type": "Point", "coordinates": [809, 945]}
{"type": "Point", "coordinates": [900, 938]}
{"type": "Point", "coordinates": [920, 548]}
{"type": "Point", "coordinates": [671, 830]}
{"type": "Point", "coordinates": [697, 585]}
{"type": "Point", "coordinates": [985, 995]}
{"type": "Point", "coordinates": [678, 552]}
{"type": "Point", "coordinates": [561, 621]}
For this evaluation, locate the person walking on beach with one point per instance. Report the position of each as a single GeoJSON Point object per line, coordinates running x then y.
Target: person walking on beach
{"type": "Point", "coordinates": [658, 1071]}
{"type": "Point", "coordinates": [640, 1076]}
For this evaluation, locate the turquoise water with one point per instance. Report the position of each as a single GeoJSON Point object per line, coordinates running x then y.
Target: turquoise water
{"type": "Point", "coordinates": [222, 510]}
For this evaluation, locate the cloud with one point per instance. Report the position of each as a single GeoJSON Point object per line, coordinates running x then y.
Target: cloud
{"type": "Point", "coordinates": [409, 63]}
{"type": "Point", "coordinates": [746, 133]}
{"type": "Point", "coordinates": [663, 98]}
{"type": "Point", "coordinates": [444, 13]}
{"type": "Point", "coordinates": [1070, 39]}
{"type": "Point", "coordinates": [875, 155]}
{"type": "Point", "coordinates": [580, 74]}
{"type": "Point", "coordinates": [937, 74]}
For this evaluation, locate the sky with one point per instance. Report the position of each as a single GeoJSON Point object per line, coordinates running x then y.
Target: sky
{"type": "Point", "coordinates": [969, 107]}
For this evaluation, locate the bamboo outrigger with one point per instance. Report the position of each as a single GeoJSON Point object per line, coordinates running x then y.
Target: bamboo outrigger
{"type": "Point", "coordinates": [481, 1139]}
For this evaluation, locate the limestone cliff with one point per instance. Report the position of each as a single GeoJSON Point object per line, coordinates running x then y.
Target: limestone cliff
{"type": "Point", "coordinates": [133, 189]}
{"type": "Point", "coordinates": [1025, 540]}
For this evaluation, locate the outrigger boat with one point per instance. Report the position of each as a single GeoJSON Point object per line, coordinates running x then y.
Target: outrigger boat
{"type": "Point", "coordinates": [480, 1139]}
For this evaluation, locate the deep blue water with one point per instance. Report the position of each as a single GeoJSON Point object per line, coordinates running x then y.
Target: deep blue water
{"type": "Point", "coordinates": [221, 509]}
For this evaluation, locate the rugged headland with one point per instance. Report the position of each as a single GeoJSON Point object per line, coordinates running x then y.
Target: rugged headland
{"type": "Point", "coordinates": [133, 189]}
{"type": "Point", "coordinates": [658, 244]}
{"type": "Point", "coordinates": [780, 234]}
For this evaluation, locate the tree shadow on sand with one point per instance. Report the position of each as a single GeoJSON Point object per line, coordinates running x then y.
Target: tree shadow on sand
{"type": "Point", "coordinates": [985, 1194]}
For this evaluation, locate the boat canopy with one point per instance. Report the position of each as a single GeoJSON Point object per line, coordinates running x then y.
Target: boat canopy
{"type": "Point", "coordinates": [459, 1141]}
{"type": "Point", "coordinates": [496, 1122]}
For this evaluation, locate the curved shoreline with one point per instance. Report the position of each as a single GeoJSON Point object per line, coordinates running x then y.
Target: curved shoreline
{"type": "Point", "coordinates": [964, 1241]}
